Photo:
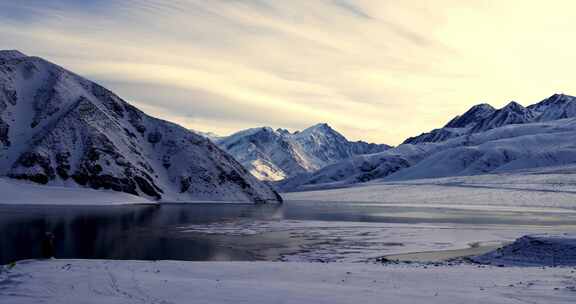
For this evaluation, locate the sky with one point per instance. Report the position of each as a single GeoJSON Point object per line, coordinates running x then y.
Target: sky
{"type": "Point", "coordinates": [376, 70]}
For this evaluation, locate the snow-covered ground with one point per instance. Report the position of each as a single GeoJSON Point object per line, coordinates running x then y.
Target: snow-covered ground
{"type": "Point", "coordinates": [535, 250]}
{"type": "Point", "coordinates": [547, 188]}
{"type": "Point", "coordinates": [107, 282]}
{"type": "Point", "coordinates": [20, 193]}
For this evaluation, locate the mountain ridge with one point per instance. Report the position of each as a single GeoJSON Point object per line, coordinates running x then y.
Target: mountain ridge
{"type": "Point", "coordinates": [275, 154]}
{"type": "Point", "coordinates": [511, 138]}
{"type": "Point", "coordinates": [483, 117]}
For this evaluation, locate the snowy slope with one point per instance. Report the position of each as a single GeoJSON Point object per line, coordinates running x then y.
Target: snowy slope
{"type": "Point", "coordinates": [274, 155]}
{"type": "Point", "coordinates": [550, 187]}
{"type": "Point", "coordinates": [60, 129]}
{"type": "Point", "coordinates": [500, 150]}
{"type": "Point", "coordinates": [357, 169]}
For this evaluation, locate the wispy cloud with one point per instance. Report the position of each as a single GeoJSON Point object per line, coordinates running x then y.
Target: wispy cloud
{"type": "Point", "coordinates": [377, 70]}
{"type": "Point", "coordinates": [351, 8]}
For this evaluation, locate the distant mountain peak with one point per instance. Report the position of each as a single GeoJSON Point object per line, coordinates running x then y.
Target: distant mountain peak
{"type": "Point", "coordinates": [512, 113]}
{"type": "Point", "coordinates": [554, 100]}
{"type": "Point", "coordinates": [473, 115]}
{"type": "Point", "coordinates": [557, 106]}
{"type": "Point", "coordinates": [266, 129]}
{"type": "Point", "coordinates": [484, 106]}
{"type": "Point", "coordinates": [324, 127]}
{"type": "Point", "coordinates": [253, 131]}
{"type": "Point", "coordinates": [556, 96]}
{"type": "Point", "coordinates": [283, 131]}
{"type": "Point", "coordinates": [514, 106]}
{"type": "Point", "coordinates": [276, 154]}
{"type": "Point", "coordinates": [560, 96]}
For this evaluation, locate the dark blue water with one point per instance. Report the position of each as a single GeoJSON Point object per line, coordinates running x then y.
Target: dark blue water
{"type": "Point", "coordinates": [146, 232]}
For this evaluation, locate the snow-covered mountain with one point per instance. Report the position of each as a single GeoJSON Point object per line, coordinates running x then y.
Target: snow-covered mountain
{"type": "Point", "coordinates": [504, 140]}
{"type": "Point", "coordinates": [58, 128]}
{"type": "Point", "coordinates": [512, 113]}
{"type": "Point", "coordinates": [472, 116]}
{"type": "Point", "coordinates": [484, 117]}
{"type": "Point", "coordinates": [274, 155]}
{"type": "Point", "coordinates": [557, 106]}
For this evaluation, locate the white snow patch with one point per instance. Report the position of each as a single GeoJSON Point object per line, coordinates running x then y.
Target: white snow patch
{"type": "Point", "coordinates": [21, 193]}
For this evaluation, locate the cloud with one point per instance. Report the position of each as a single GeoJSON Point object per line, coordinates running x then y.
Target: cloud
{"type": "Point", "coordinates": [351, 8]}
{"type": "Point", "coordinates": [377, 70]}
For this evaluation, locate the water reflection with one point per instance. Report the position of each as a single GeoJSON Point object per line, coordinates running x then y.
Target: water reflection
{"type": "Point", "coordinates": [121, 232]}
{"type": "Point", "coordinates": [151, 232]}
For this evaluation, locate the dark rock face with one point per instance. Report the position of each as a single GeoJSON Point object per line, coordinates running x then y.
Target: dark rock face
{"type": "Point", "coordinates": [63, 165]}
{"type": "Point", "coordinates": [44, 171]}
{"type": "Point", "coordinates": [154, 137]}
{"type": "Point", "coordinates": [436, 135]}
{"type": "Point", "coordinates": [4, 130]}
{"type": "Point", "coordinates": [10, 96]}
{"type": "Point", "coordinates": [73, 130]}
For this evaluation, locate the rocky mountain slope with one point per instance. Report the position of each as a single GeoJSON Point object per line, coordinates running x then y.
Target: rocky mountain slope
{"type": "Point", "coordinates": [496, 141]}
{"type": "Point", "coordinates": [58, 128]}
{"type": "Point", "coordinates": [274, 155]}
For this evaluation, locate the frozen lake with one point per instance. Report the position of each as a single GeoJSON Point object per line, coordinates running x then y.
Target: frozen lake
{"type": "Point", "coordinates": [297, 230]}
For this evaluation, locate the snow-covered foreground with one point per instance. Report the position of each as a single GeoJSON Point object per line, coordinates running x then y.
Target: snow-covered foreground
{"type": "Point", "coordinates": [16, 192]}
{"type": "Point", "coordinates": [553, 188]}
{"type": "Point", "coordinates": [106, 282]}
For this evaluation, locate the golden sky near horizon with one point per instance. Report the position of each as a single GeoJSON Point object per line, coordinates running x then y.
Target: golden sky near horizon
{"type": "Point", "coordinates": [375, 70]}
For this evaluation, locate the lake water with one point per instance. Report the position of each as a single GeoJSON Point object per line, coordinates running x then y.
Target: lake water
{"type": "Point", "coordinates": [147, 232]}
